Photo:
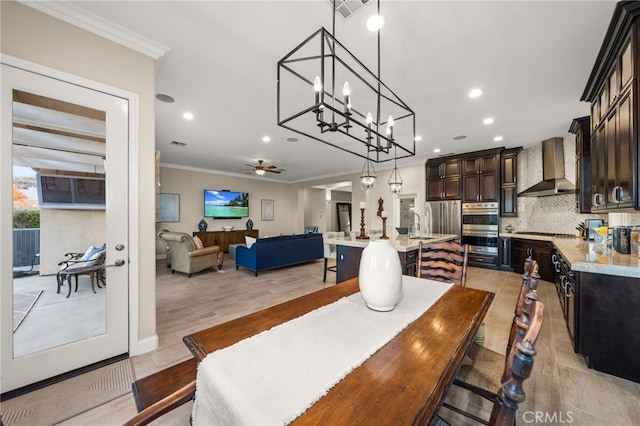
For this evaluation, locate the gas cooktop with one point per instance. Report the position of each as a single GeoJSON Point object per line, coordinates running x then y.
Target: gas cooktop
{"type": "Point", "coordinates": [547, 234]}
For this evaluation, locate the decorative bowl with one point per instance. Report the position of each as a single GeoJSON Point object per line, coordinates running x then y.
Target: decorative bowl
{"type": "Point", "coordinates": [227, 227]}
{"type": "Point", "coordinates": [403, 230]}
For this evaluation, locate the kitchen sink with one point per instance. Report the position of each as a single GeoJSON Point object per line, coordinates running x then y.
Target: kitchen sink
{"type": "Point", "coordinates": [421, 238]}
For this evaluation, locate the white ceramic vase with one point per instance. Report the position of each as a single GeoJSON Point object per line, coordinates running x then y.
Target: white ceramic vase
{"type": "Point", "coordinates": [380, 276]}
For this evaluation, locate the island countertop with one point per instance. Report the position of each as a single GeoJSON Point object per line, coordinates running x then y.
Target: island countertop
{"type": "Point", "coordinates": [403, 244]}
{"type": "Point", "coordinates": [587, 256]}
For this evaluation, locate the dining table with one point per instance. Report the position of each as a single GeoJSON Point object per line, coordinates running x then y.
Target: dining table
{"type": "Point", "coordinates": [402, 382]}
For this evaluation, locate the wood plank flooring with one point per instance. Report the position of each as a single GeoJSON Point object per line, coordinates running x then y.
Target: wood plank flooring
{"type": "Point", "coordinates": [561, 390]}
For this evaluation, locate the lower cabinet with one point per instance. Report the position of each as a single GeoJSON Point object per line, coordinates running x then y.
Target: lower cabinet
{"type": "Point", "coordinates": [504, 254]}
{"type": "Point", "coordinates": [348, 262]}
{"type": "Point", "coordinates": [540, 251]}
{"type": "Point", "coordinates": [606, 322]}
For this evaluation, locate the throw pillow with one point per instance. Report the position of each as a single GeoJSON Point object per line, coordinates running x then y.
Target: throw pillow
{"type": "Point", "coordinates": [198, 242]}
{"type": "Point", "coordinates": [91, 251]}
{"type": "Point", "coordinates": [249, 241]}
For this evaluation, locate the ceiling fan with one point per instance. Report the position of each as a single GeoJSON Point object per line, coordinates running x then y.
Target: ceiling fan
{"type": "Point", "coordinates": [260, 169]}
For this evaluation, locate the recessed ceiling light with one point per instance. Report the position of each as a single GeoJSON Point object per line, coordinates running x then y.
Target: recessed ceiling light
{"type": "Point", "coordinates": [266, 139]}
{"type": "Point", "coordinates": [488, 120]}
{"type": "Point", "coordinates": [474, 93]}
{"type": "Point", "coordinates": [375, 22]}
{"type": "Point", "coordinates": [459, 137]}
{"type": "Point", "coordinates": [418, 138]}
{"type": "Point", "coordinates": [292, 139]}
{"type": "Point", "coordinates": [187, 116]}
{"type": "Point", "coordinates": [497, 139]}
{"type": "Point", "coordinates": [437, 150]}
{"type": "Point", "coordinates": [165, 98]}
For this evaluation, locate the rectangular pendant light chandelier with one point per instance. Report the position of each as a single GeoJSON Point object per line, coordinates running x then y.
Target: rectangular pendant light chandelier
{"type": "Point", "coordinates": [327, 94]}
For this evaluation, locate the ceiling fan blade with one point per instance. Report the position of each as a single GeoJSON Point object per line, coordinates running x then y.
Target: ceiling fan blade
{"type": "Point", "coordinates": [272, 171]}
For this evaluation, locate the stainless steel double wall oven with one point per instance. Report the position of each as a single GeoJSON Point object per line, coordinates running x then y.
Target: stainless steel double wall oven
{"type": "Point", "coordinates": [480, 227]}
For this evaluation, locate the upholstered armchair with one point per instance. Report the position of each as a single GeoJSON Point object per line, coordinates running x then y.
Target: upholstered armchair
{"type": "Point", "coordinates": [187, 257]}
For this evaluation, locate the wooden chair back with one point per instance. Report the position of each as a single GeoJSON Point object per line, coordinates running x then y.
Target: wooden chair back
{"type": "Point", "coordinates": [443, 261]}
{"type": "Point", "coordinates": [520, 321]}
{"type": "Point", "coordinates": [519, 369]}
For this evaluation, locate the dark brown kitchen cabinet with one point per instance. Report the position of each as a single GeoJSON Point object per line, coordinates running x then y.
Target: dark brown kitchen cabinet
{"type": "Point", "coordinates": [540, 251]}
{"type": "Point", "coordinates": [612, 92]}
{"type": "Point", "coordinates": [443, 179]}
{"type": "Point", "coordinates": [581, 127]}
{"type": "Point", "coordinates": [504, 253]}
{"type": "Point", "coordinates": [598, 171]}
{"type": "Point", "coordinates": [480, 177]}
{"type": "Point", "coordinates": [606, 323]}
{"type": "Point", "coordinates": [508, 182]}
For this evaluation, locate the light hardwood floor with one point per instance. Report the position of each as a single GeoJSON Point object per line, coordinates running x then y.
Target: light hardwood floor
{"type": "Point", "coordinates": [561, 389]}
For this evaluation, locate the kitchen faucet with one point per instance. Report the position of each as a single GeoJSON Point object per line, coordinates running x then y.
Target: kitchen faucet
{"type": "Point", "coordinates": [417, 227]}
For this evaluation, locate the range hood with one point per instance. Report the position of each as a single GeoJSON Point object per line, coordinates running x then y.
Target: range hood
{"type": "Point", "coordinates": [554, 181]}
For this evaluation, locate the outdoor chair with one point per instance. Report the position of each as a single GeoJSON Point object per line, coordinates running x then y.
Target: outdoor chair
{"type": "Point", "coordinates": [91, 262]}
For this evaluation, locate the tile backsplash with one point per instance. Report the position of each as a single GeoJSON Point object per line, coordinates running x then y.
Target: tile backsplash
{"type": "Point", "coordinates": [556, 213]}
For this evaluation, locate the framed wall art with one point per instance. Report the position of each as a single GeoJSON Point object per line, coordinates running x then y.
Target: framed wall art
{"type": "Point", "coordinates": [267, 210]}
{"type": "Point", "coordinates": [169, 208]}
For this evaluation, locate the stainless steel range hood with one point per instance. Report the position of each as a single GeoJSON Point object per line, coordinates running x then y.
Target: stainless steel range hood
{"type": "Point", "coordinates": [554, 181]}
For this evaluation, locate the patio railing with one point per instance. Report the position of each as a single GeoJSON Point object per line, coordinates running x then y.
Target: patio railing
{"type": "Point", "coordinates": [26, 244]}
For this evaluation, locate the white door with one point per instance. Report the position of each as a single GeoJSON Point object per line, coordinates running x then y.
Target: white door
{"type": "Point", "coordinates": [109, 312]}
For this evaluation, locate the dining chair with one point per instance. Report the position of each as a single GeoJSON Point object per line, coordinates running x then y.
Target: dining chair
{"type": "Point", "coordinates": [509, 393]}
{"type": "Point", "coordinates": [484, 374]}
{"type": "Point", "coordinates": [443, 261]}
{"type": "Point", "coordinates": [483, 371]}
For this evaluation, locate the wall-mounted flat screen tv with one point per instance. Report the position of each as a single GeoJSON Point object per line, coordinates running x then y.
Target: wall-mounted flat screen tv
{"type": "Point", "coordinates": [70, 192]}
{"type": "Point", "coordinates": [226, 204]}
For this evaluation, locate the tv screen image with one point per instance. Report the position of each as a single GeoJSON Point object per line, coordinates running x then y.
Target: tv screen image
{"type": "Point", "coordinates": [225, 204]}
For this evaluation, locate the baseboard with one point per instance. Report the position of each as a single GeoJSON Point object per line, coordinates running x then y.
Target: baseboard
{"type": "Point", "coordinates": [147, 345]}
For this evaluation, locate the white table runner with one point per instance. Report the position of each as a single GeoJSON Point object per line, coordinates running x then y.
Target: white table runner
{"type": "Point", "coordinates": [275, 376]}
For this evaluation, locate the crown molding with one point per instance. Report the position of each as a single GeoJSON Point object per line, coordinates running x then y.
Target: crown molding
{"type": "Point", "coordinates": [97, 25]}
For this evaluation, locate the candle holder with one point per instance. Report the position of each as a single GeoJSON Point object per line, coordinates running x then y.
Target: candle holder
{"type": "Point", "coordinates": [384, 229]}
{"type": "Point", "coordinates": [362, 235]}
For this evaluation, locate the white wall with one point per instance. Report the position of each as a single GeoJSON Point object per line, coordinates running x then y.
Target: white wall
{"type": "Point", "coordinates": [42, 39]}
{"type": "Point", "coordinates": [190, 184]}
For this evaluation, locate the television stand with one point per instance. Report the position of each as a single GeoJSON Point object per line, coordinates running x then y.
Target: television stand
{"type": "Point", "coordinates": [222, 239]}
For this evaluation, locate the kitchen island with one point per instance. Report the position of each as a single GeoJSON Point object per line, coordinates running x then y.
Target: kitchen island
{"type": "Point", "coordinates": [349, 251]}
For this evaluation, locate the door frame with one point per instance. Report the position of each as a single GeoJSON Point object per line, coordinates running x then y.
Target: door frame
{"type": "Point", "coordinates": [6, 247]}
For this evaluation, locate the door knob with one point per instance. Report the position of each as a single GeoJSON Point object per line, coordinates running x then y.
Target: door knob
{"type": "Point", "coordinates": [118, 262]}
{"type": "Point", "coordinates": [120, 247]}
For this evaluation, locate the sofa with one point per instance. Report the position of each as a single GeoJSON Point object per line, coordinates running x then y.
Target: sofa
{"type": "Point", "coordinates": [187, 257]}
{"type": "Point", "coordinates": [276, 252]}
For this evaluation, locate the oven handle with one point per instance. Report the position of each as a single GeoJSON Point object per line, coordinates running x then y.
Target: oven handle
{"type": "Point", "coordinates": [489, 234]}
{"type": "Point", "coordinates": [481, 212]}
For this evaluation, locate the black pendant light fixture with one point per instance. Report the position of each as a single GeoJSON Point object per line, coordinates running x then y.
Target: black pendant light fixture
{"type": "Point", "coordinates": [327, 94]}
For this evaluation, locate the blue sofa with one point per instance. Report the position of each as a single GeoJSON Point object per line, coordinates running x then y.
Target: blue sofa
{"type": "Point", "coordinates": [275, 252]}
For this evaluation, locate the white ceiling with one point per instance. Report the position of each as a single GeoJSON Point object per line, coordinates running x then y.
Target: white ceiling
{"type": "Point", "coordinates": [532, 59]}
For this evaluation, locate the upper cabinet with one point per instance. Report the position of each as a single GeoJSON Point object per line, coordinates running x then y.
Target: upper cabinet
{"type": "Point", "coordinates": [612, 91]}
{"type": "Point", "coordinates": [508, 182]}
{"type": "Point", "coordinates": [443, 179]}
{"type": "Point", "coordinates": [581, 127]}
{"type": "Point", "coordinates": [480, 177]}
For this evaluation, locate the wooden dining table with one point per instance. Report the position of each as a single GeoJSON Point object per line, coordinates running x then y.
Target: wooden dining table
{"type": "Point", "coordinates": [402, 383]}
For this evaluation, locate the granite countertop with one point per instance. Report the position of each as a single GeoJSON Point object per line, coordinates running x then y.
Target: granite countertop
{"type": "Point", "coordinates": [402, 244]}
{"type": "Point", "coordinates": [587, 256]}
